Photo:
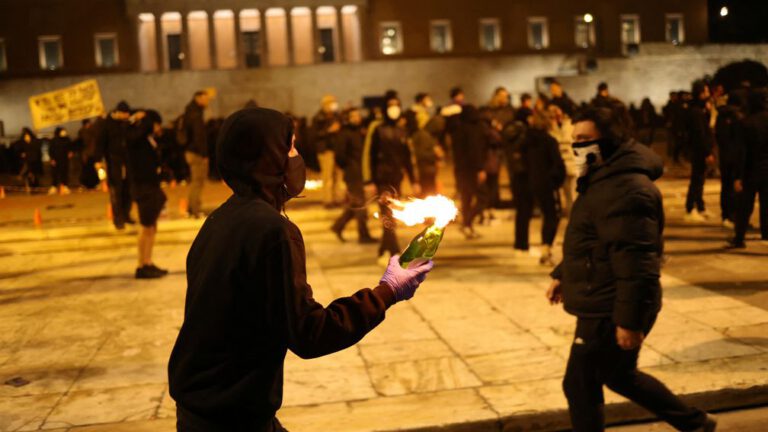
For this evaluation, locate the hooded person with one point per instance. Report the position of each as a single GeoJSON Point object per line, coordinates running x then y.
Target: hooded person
{"type": "Point", "coordinates": [111, 146]}
{"type": "Point", "coordinates": [60, 151]}
{"type": "Point", "coordinates": [470, 143]}
{"type": "Point", "coordinates": [29, 150]}
{"type": "Point", "coordinates": [248, 300]}
{"type": "Point", "coordinates": [609, 276]}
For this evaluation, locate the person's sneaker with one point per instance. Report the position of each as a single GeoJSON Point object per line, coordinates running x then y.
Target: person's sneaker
{"type": "Point", "coordinates": [694, 217]}
{"type": "Point", "coordinates": [546, 260]}
{"type": "Point", "coordinates": [157, 269]}
{"type": "Point", "coordinates": [339, 234]}
{"type": "Point", "coordinates": [53, 190]}
{"type": "Point", "coordinates": [147, 272]}
{"type": "Point", "coordinates": [733, 244]}
{"type": "Point", "coordinates": [368, 240]}
{"type": "Point", "coordinates": [710, 424]}
{"type": "Point", "coordinates": [728, 224]}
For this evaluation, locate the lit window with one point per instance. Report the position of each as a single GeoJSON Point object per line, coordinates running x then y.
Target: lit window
{"type": "Point", "coordinates": [441, 39]}
{"type": "Point", "coordinates": [106, 50]}
{"type": "Point", "coordinates": [391, 41]}
{"type": "Point", "coordinates": [675, 29]}
{"type": "Point", "coordinates": [584, 31]}
{"type": "Point", "coordinates": [3, 59]}
{"type": "Point", "coordinates": [49, 50]}
{"type": "Point", "coordinates": [538, 33]}
{"type": "Point", "coordinates": [490, 34]}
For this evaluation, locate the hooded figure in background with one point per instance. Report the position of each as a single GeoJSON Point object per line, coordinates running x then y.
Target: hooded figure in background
{"type": "Point", "coordinates": [60, 151]}
{"type": "Point", "coordinates": [29, 151]}
{"type": "Point", "coordinates": [248, 300]}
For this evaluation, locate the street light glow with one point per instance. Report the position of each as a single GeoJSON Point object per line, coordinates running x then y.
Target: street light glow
{"type": "Point", "coordinates": [588, 18]}
{"type": "Point", "coordinates": [724, 11]}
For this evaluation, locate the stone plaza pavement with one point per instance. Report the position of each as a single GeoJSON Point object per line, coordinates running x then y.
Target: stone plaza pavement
{"type": "Point", "coordinates": [477, 349]}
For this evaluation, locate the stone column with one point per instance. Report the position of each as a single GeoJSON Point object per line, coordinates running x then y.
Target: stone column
{"type": "Point", "coordinates": [238, 41]}
{"type": "Point", "coordinates": [185, 63]}
{"type": "Point", "coordinates": [212, 40]}
{"type": "Point", "coordinates": [368, 34]}
{"type": "Point", "coordinates": [289, 36]}
{"type": "Point", "coordinates": [341, 54]}
{"type": "Point", "coordinates": [159, 45]}
{"type": "Point", "coordinates": [315, 36]}
{"type": "Point", "coordinates": [264, 52]}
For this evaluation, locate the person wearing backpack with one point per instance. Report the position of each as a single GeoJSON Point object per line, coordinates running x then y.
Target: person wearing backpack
{"type": "Point", "coordinates": [191, 134]}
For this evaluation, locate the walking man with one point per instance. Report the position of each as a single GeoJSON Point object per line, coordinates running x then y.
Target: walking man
{"type": "Point", "coordinates": [609, 276]}
{"type": "Point", "coordinates": [197, 150]}
{"type": "Point", "coordinates": [111, 146]}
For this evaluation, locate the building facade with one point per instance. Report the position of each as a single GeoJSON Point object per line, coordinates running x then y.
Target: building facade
{"type": "Point", "coordinates": [75, 37]}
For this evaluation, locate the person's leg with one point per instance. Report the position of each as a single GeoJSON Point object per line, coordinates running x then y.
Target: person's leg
{"type": "Point", "coordinates": [726, 193]}
{"type": "Point", "coordinates": [389, 241]}
{"type": "Point", "coordinates": [745, 201]}
{"type": "Point", "coordinates": [550, 215]}
{"type": "Point", "coordinates": [198, 172]}
{"type": "Point", "coordinates": [359, 211]}
{"type": "Point", "coordinates": [763, 194]}
{"type": "Point", "coordinates": [116, 198]}
{"type": "Point", "coordinates": [493, 190]}
{"type": "Point", "coordinates": [581, 383]}
{"type": "Point", "coordinates": [524, 212]}
{"type": "Point", "coordinates": [618, 369]}
{"type": "Point", "coordinates": [692, 198]}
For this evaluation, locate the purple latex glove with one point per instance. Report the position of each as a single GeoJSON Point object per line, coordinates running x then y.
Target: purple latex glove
{"type": "Point", "coordinates": [405, 281]}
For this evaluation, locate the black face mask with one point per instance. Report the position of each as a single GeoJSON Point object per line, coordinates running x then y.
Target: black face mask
{"type": "Point", "coordinates": [295, 176]}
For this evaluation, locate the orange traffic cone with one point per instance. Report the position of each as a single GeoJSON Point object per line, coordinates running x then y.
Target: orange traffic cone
{"type": "Point", "coordinates": [110, 215]}
{"type": "Point", "coordinates": [2, 192]}
{"type": "Point", "coordinates": [104, 186]}
{"type": "Point", "coordinates": [183, 206]}
{"type": "Point", "coordinates": [38, 218]}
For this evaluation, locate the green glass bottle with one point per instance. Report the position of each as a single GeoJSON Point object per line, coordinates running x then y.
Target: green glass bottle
{"type": "Point", "coordinates": [423, 245]}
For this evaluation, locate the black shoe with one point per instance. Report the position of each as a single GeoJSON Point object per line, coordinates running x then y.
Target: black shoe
{"type": "Point", "coordinates": [368, 240]}
{"type": "Point", "coordinates": [710, 425]}
{"type": "Point", "coordinates": [147, 272]}
{"type": "Point", "coordinates": [130, 221]}
{"type": "Point", "coordinates": [157, 269]}
{"type": "Point", "coordinates": [733, 244]}
{"type": "Point", "coordinates": [339, 234]}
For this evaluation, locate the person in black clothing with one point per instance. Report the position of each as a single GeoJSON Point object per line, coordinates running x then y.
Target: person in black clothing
{"type": "Point", "coordinates": [144, 166]}
{"type": "Point", "coordinates": [111, 147]}
{"type": "Point", "coordinates": [349, 157]}
{"type": "Point", "coordinates": [699, 148]}
{"type": "Point", "coordinates": [29, 150]}
{"type": "Point", "coordinates": [751, 173]}
{"type": "Point", "coordinates": [609, 276]}
{"type": "Point", "coordinates": [538, 182]}
{"type": "Point", "coordinates": [326, 125]}
{"type": "Point", "coordinates": [390, 157]}
{"type": "Point", "coordinates": [196, 151]}
{"type": "Point", "coordinates": [729, 135]}
{"type": "Point", "coordinates": [497, 114]}
{"type": "Point", "coordinates": [561, 99]}
{"type": "Point", "coordinates": [470, 146]}
{"type": "Point", "coordinates": [61, 151]}
{"type": "Point", "coordinates": [248, 300]}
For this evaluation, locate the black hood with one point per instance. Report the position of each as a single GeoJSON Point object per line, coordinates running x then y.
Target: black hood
{"type": "Point", "coordinates": [630, 157]}
{"type": "Point", "coordinates": [252, 153]}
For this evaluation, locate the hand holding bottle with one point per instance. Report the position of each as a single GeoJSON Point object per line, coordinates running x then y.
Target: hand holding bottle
{"type": "Point", "coordinates": [404, 281]}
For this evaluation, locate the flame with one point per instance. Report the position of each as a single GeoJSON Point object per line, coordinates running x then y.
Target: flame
{"type": "Point", "coordinates": [416, 211]}
{"type": "Point", "coordinates": [313, 185]}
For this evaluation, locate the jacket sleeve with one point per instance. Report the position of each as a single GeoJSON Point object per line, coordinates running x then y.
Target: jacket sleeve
{"type": "Point", "coordinates": [631, 230]}
{"type": "Point", "coordinates": [312, 330]}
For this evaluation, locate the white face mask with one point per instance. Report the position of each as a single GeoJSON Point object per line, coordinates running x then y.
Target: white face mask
{"type": "Point", "coordinates": [585, 157]}
{"type": "Point", "coordinates": [393, 112]}
{"type": "Point", "coordinates": [334, 106]}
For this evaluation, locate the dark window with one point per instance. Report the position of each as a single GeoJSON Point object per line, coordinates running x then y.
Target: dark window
{"type": "Point", "coordinates": [51, 54]}
{"type": "Point", "coordinates": [174, 52]}
{"type": "Point", "coordinates": [327, 52]}
{"type": "Point", "coordinates": [107, 52]}
{"type": "Point", "coordinates": [252, 49]}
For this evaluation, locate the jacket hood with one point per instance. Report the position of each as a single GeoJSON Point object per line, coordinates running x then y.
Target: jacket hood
{"type": "Point", "coordinates": [630, 157]}
{"type": "Point", "coordinates": [252, 153]}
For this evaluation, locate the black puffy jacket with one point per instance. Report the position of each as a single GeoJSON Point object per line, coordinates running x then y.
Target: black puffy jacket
{"type": "Point", "coordinates": [613, 243]}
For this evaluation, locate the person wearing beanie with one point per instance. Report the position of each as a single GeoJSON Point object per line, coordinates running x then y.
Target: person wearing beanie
{"type": "Point", "coordinates": [609, 277]}
{"type": "Point", "coordinates": [144, 165]}
{"type": "Point", "coordinates": [248, 300]}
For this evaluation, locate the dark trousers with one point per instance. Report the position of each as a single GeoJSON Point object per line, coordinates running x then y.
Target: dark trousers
{"type": "Point", "coordinates": [695, 198]}
{"type": "Point", "coordinates": [119, 195]}
{"type": "Point", "coordinates": [355, 210]}
{"type": "Point", "coordinates": [727, 193]}
{"type": "Point", "coordinates": [526, 198]}
{"type": "Point", "coordinates": [188, 422]}
{"type": "Point", "coordinates": [428, 179]}
{"type": "Point", "coordinates": [389, 241]}
{"type": "Point", "coordinates": [746, 205]}
{"type": "Point", "coordinates": [466, 183]}
{"type": "Point", "coordinates": [60, 173]}
{"type": "Point", "coordinates": [596, 360]}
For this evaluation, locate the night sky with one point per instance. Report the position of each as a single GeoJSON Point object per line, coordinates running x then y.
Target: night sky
{"type": "Point", "coordinates": [747, 21]}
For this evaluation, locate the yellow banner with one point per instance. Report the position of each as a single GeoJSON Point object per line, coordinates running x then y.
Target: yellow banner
{"type": "Point", "coordinates": [76, 102]}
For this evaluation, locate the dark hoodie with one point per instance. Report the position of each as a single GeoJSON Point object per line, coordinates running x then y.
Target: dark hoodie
{"type": "Point", "coordinates": [60, 146]}
{"type": "Point", "coordinates": [613, 244]}
{"type": "Point", "coordinates": [470, 143]}
{"type": "Point", "coordinates": [248, 300]}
